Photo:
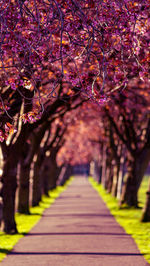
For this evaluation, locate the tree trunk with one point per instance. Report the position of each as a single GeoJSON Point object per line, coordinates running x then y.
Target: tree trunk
{"type": "Point", "coordinates": [100, 175]}
{"type": "Point", "coordinates": [96, 170]}
{"type": "Point", "coordinates": [109, 180]}
{"type": "Point", "coordinates": [120, 178]}
{"type": "Point", "coordinates": [50, 173]}
{"type": "Point", "coordinates": [45, 177]}
{"type": "Point", "coordinates": [68, 172]}
{"type": "Point", "coordinates": [23, 197]}
{"type": "Point", "coordinates": [104, 158]}
{"type": "Point", "coordinates": [133, 178]}
{"type": "Point", "coordinates": [116, 170]}
{"type": "Point", "coordinates": [108, 171]}
{"type": "Point", "coordinates": [146, 210]}
{"type": "Point", "coordinates": [1, 212]}
{"type": "Point", "coordinates": [37, 182]}
{"type": "Point", "coordinates": [8, 193]}
{"type": "Point", "coordinates": [130, 189]}
{"type": "Point", "coordinates": [53, 175]}
{"type": "Point", "coordinates": [60, 181]}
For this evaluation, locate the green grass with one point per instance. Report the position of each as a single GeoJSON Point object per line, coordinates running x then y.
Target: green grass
{"type": "Point", "coordinates": [26, 222]}
{"type": "Point", "coordinates": [129, 219]}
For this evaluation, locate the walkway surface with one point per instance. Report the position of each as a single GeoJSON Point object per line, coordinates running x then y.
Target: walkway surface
{"type": "Point", "coordinates": [77, 230]}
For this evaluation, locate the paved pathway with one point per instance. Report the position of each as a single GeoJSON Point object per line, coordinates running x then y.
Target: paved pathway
{"type": "Point", "coordinates": [76, 230]}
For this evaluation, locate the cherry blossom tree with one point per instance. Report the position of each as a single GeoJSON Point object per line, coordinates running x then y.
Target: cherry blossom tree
{"type": "Point", "coordinates": [53, 53]}
{"type": "Point", "coordinates": [36, 35]}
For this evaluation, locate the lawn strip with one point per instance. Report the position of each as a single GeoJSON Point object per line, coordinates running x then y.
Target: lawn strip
{"type": "Point", "coordinates": [129, 218]}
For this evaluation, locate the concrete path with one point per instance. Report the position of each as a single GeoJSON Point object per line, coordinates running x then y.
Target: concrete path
{"type": "Point", "coordinates": [76, 230]}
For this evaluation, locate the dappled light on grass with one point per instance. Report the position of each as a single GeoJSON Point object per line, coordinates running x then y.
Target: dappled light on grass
{"type": "Point", "coordinates": [129, 218]}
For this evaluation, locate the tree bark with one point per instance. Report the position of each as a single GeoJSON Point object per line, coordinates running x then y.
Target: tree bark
{"type": "Point", "coordinates": [54, 169]}
{"type": "Point", "coordinates": [132, 181]}
{"type": "Point", "coordinates": [130, 189]}
{"type": "Point", "coordinates": [53, 175]}
{"type": "Point", "coordinates": [45, 173]}
{"type": "Point", "coordinates": [109, 180]}
{"type": "Point", "coordinates": [96, 170]}
{"type": "Point", "coordinates": [104, 166]}
{"type": "Point", "coordinates": [61, 175]}
{"type": "Point", "coordinates": [45, 178]}
{"type": "Point", "coordinates": [37, 182]}
{"type": "Point", "coordinates": [8, 193]}
{"type": "Point", "coordinates": [24, 179]}
{"type": "Point", "coordinates": [120, 178]}
{"type": "Point", "coordinates": [67, 171]}
{"type": "Point", "coordinates": [116, 170]}
{"type": "Point", "coordinates": [23, 197]}
{"type": "Point", "coordinates": [146, 211]}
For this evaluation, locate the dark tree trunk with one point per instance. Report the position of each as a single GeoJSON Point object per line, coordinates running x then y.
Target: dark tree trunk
{"type": "Point", "coordinates": [54, 170]}
{"type": "Point", "coordinates": [50, 174]}
{"type": "Point", "coordinates": [23, 197]}
{"type": "Point", "coordinates": [146, 210]}
{"type": "Point", "coordinates": [116, 170]}
{"type": "Point", "coordinates": [130, 189]}
{"type": "Point", "coordinates": [58, 174]}
{"type": "Point", "coordinates": [62, 175]}
{"type": "Point", "coordinates": [37, 182]}
{"type": "Point", "coordinates": [1, 212]}
{"type": "Point", "coordinates": [11, 156]}
{"type": "Point", "coordinates": [24, 181]}
{"type": "Point", "coordinates": [8, 193]}
{"type": "Point", "coordinates": [132, 180]}
{"type": "Point", "coordinates": [100, 175]}
{"type": "Point", "coordinates": [120, 178]}
{"type": "Point", "coordinates": [45, 185]}
{"type": "Point", "coordinates": [109, 181]}
{"type": "Point", "coordinates": [53, 175]}
{"type": "Point", "coordinates": [67, 174]}
{"type": "Point", "coordinates": [108, 171]}
{"type": "Point", "coordinates": [96, 170]}
{"type": "Point", "coordinates": [45, 179]}
{"type": "Point", "coordinates": [104, 166]}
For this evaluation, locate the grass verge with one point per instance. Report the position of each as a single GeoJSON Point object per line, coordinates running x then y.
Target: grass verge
{"type": "Point", "coordinates": [26, 222]}
{"type": "Point", "coordinates": [129, 219]}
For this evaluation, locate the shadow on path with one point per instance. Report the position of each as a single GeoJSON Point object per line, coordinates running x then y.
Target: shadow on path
{"type": "Point", "coordinates": [77, 215]}
{"type": "Point", "coordinates": [77, 253]}
{"type": "Point", "coordinates": [77, 233]}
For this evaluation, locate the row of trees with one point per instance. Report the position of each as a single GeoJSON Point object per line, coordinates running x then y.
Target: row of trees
{"type": "Point", "coordinates": [33, 147]}
{"type": "Point", "coordinates": [56, 56]}
{"type": "Point", "coordinates": [116, 136]}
